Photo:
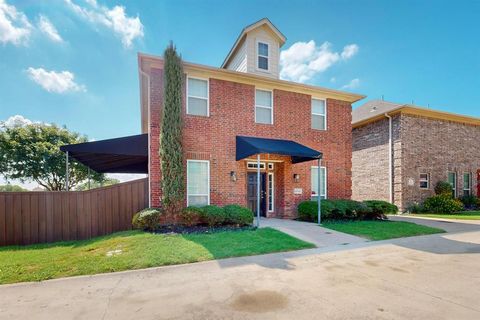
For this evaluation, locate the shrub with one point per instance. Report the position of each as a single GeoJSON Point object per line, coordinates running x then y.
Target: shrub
{"type": "Point", "coordinates": [381, 207]}
{"type": "Point", "coordinates": [212, 215]}
{"type": "Point", "coordinates": [334, 210]}
{"type": "Point", "coordinates": [147, 219]}
{"type": "Point", "coordinates": [415, 207]}
{"type": "Point", "coordinates": [470, 202]}
{"type": "Point", "coordinates": [191, 216]}
{"type": "Point", "coordinates": [442, 204]}
{"type": "Point", "coordinates": [238, 215]}
{"type": "Point", "coordinates": [307, 210]}
{"type": "Point", "coordinates": [444, 188]}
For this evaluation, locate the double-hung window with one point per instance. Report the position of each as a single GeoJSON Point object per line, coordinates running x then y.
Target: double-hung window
{"type": "Point", "coordinates": [198, 183]}
{"type": "Point", "coordinates": [319, 114]}
{"type": "Point", "coordinates": [467, 184]}
{"type": "Point", "coordinates": [197, 97]}
{"type": "Point", "coordinates": [452, 179]}
{"type": "Point", "coordinates": [262, 56]}
{"type": "Point", "coordinates": [424, 181]}
{"type": "Point", "coordinates": [263, 106]}
{"type": "Point", "coordinates": [314, 182]}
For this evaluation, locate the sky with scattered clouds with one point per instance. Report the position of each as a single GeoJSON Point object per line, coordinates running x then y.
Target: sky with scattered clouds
{"type": "Point", "coordinates": [74, 62]}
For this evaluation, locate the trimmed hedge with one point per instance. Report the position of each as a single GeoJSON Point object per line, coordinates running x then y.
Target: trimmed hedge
{"type": "Point", "coordinates": [238, 215]}
{"type": "Point", "coordinates": [442, 204]}
{"type": "Point", "coordinates": [335, 210]}
{"type": "Point", "coordinates": [191, 216]}
{"type": "Point", "coordinates": [345, 210]}
{"type": "Point", "coordinates": [212, 215]}
{"type": "Point", "coordinates": [381, 207]}
{"type": "Point", "coordinates": [147, 219]}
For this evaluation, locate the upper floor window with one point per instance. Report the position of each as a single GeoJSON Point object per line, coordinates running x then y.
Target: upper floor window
{"type": "Point", "coordinates": [319, 114]}
{"type": "Point", "coordinates": [262, 56]}
{"type": "Point", "coordinates": [467, 184]}
{"type": "Point", "coordinates": [263, 107]}
{"type": "Point", "coordinates": [452, 179]}
{"type": "Point", "coordinates": [197, 97]}
{"type": "Point", "coordinates": [424, 181]}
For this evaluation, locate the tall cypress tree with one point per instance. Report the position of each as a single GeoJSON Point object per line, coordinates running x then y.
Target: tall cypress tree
{"type": "Point", "coordinates": [171, 154]}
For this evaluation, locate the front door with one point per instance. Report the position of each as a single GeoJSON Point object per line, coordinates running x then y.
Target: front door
{"type": "Point", "coordinates": [478, 183]}
{"type": "Point", "coordinates": [252, 192]}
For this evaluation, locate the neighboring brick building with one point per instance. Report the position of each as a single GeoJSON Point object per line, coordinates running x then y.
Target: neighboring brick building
{"type": "Point", "coordinates": [427, 146]}
{"type": "Point", "coordinates": [246, 98]}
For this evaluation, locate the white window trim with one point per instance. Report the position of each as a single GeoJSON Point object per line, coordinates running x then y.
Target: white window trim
{"type": "Point", "coordinates": [326, 181]}
{"type": "Point", "coordinates": [454, 186]}
{"type": "Point", "coordinates": [270, 176]}
{"type": "Point", "coordinates": [197, 97]}
{"type": "Point", "coordinates": [208, 175]}
{"type": "Point", "coordinates": [257, 54]}
{"type": "Point", "coordinates": [264, 107]}
{"type": "Point", "coordinates": [319, 114]}
{"type": "Point", "coordinates": [253, 165]}
{"type": "Point", "coordinates": [420, 180]}
{"type": "Point", "coordinates": [469, 184]}
{"type": "Point", "coordinates": [270, 166]}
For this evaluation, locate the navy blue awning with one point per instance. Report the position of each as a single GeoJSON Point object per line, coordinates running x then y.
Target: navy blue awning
{"type": "Point", "coordinates": [119, 155]}
{"type": "Point", "coordinates": [247, 146]}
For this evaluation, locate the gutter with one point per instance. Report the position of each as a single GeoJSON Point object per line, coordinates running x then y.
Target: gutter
{"type": "Point", "coordinates": [390, 157]}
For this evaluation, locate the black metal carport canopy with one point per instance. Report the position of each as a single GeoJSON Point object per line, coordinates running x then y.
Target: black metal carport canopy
{"type": "Point", "coordinates": [119, 155]}
{"type": "Point", "coordinates": [248, 146]}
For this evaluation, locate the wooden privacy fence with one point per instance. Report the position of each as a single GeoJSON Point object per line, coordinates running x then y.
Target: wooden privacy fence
{"type": "Point", "coordinates": [37, 217]}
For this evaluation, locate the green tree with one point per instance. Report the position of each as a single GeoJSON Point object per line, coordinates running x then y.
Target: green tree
{"type": "Point", "coordinates": [171, 154]}
{"type": "Point", "coordinates": [11, 188]}
{"type": "Point", "coordinates": [97, 184]}
{"type": "Point", "coordinates": [32, 153]}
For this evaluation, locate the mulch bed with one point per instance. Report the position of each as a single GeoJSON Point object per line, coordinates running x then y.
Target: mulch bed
{"type": "Point", "coordinates": [179, 229]}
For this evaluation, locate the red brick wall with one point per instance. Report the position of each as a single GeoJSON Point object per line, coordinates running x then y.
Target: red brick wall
{"type": "Point", "coordinates": [232, 113]}
{"type": "Point", "coordinates": [156, 102]}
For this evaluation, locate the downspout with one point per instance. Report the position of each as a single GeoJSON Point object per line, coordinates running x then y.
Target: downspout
{"type": "Point", "coordinates": [148, 129]}
{"type": "Point", "coordinates": [390, 157]}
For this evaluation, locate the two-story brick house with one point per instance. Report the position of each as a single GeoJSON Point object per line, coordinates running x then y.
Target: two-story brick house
{"type": "Point", "coordinates": [246, 98]}
{"type": "Point", "coordinates": [400, 152]}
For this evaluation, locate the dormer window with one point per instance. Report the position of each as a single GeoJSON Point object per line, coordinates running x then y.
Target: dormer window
{"type": "Point", "coordinates": [262, 56]}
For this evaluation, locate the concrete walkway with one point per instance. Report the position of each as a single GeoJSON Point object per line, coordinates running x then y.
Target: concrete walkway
{"type": "Point", "coordinates": [450, 226]}
{"type": "Point", "coordinates": [426, 277]}
{"type": "Point", "coordinates": [311, 232]}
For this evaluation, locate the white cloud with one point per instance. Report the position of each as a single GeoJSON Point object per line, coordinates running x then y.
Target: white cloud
{"type": "Point", "coordinates": [16, 121]}
{"type": "Point", "coordinates": [14, 25]}
{"type": "Point", "coordinates": [353, 84]}
{"type": "Point", "coordinates": [303, 60]}
{"type": "Point", "coordinates": [52, 81]}
{"type": "Point", "coordinates": [349, 51]}
{"type": "Point", "coordinates": [127, 28]}
{"type": "Point", "coordinates": [48, 29]}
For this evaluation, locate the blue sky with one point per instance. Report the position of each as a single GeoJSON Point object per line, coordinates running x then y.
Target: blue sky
{"type": "Point", "coordinates": [75, 62]}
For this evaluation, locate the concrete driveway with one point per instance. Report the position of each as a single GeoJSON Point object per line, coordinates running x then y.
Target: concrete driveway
{"type": "Point", "coordinates": [426, 277]}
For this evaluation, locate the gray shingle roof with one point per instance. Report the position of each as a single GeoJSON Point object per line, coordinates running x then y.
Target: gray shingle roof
{"type": "Point", "coordinates": [372, 109]}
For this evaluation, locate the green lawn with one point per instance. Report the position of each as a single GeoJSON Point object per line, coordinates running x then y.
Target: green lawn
{"type": "Point", "coordinates": [381, 230]}
{"type": "Point", "coordinates": [464, 215]}
{"type": "Point", "coordinates": [138, 250]}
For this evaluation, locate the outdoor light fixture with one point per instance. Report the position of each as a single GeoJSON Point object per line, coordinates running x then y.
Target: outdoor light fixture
{"type": "Point", "coordinates": [296, 177]}
{"type": "Point", "coordinates": [233, 176]}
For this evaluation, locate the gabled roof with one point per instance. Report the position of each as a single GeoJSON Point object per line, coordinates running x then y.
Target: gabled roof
{"type": "Point", "coordinates": [247, 29]}
{"type": "Point", "coordinates": [375, 110]}
{"type": "Point", "coordinates": [372, 109]}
